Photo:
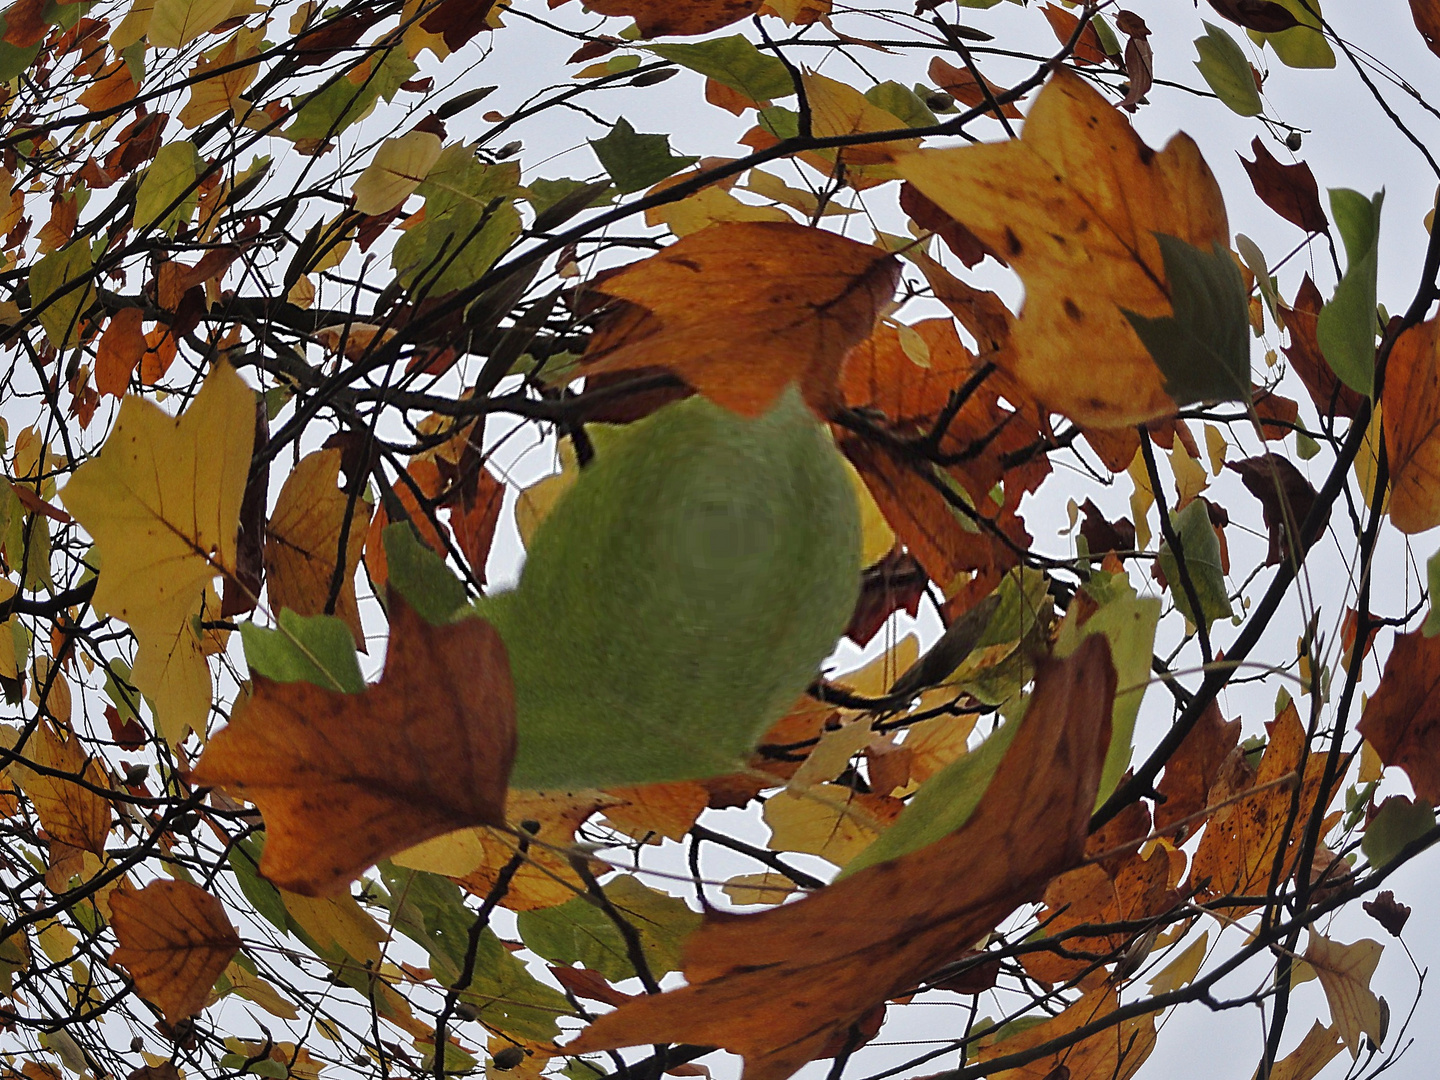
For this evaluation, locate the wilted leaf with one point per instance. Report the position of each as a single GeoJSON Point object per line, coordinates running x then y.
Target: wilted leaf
{"type": "Point", "coordinates": [175, 940]}
{"type": "Point", "coordinates": [346, 779]}
{"type": "Point", "coordinates": [1388, 912]}
{"type": "Point", "coordinates": [652, 811]}
{"type": "Point", "coordinates": [302, 543]}
{"type": "Point", "coordinates": [1345, 972]}
{"type": "Point", "coordinates": [1079, 180]}
{"type": "Point", "coordinates": [776, 986]}
{"type": "Point", "coordinates": [1286, 499]}
{"type": "Point", "coordinates": [666, 18]}
{"type": "Point", "coordinates": [742, 310]}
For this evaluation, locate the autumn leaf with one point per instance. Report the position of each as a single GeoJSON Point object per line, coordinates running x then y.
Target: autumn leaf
{"type": "Point", "coordinates": [175, 940]}
{"type": "Point", "coordinates": [651, 812]}
{"type": "Point", "coordinates": [1286, 499]}
{"type": "Point", "coordinates": [1289, 190]}
{"type": "Point", "coordinates": [1316, 1050]}
{"type": "Point", "coordinates": [1193, 768]}
{"type": "Point", "coordinates": [1426, 14]}
{"type": "Point", "coordinates": [666, 18]}
{"type": "Point", "coordinates": [1329, 394]}
{"type": "Point", "coordinates": [1412, 427]}
{"type": "Point", "coordinates": [302, 542]}
{"type": "Point", "coordinates": [344, 780]}
{"type": "Point", "coordinates": [1114, 1054]}
{"type": "Point", "coordinates": [742, 310]}
{"type": "Point", "coordinates": [1401, 718]}
{"type": "Point", "coordinates": [1074, 205]}
{"type": "Point", "coordinates": [398, 168]}
{"type": "Point", "coordinates": [119, 353]}
{"type": "Point", "coordinates": [70, 813]}
{"type": "Point", "coordinates": [1345, 972]}
{"type": "Point", "coordinates": [776, 986]}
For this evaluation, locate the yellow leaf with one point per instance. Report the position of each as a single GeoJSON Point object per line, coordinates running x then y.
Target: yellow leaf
{"type": "Point", "coordinates": [1345, 972]}
{"type": "Point", "coordinates": [68, 812]}
{"type": "Point", "coordinates": [1190, 478]}
{"type": "Point", "coordinates": [1141, 500]}
{"type": "Point", "coordinates": [162, 501]}
{"type": "Point", "coordinates": [831, 821]}
{"type": "Point", "coordinates": [1216, 448]}
{"type": "Point", "coordinates": [1073, 206]}
{"type": "Point", "coordinates": [652, 812]}
{"type": "Point", "coordinates": [254, 988]}
{"type": "Point", "coordinates": [1371, 767]}
{"type": "Point", "coordinates": [709, 206]}
{"type": "Point", "coordinates": [302, 542]}
{"type": "Point", "coordinates": [831, 754]}
{"type": "Point", "coordinates": [876, 536]}
{"type": "Point", "coordinates": [1315, 1051]}
{"type": "Point", "coordinates": [838, 109]}
{"type": "Point", "coordinates": [1180, 971]}
{"type": "Point", "coordinates": [176, 23]}
{"type": "Point", "coordinates": [337, 923]}
{"type": "Point", "coordinates": [874, 679]}
{"type": "Point", "coordinates": [219, 78]}
{"type": "Point", "coordinates": [807, 202]}
{"type": "Point", "coordinates": [396, 171]}
{"type": "Point", "coordinates": [1367, 461]}
{"type": "Point", "coordinates": [133, 26]}
{"type": "Point", "coordinates": [768, 888]}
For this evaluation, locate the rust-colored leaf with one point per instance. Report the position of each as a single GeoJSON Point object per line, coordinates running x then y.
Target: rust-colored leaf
{"type": "Point", "coordinates": [1402, 719]}
{"type": "Point", "coordinates": [1412, 428]}
{"type": "Point", "coordinates": [667, 18]}
{"type": "Point", "coordinates": [302, 544]}
{"type": "Point", "coordinates": [175, 940]}
{"type": "Point", "coordinates": [1289, 190]}
{"type": "Point", "coordinates": [1114, 1054]}
{"type": "Point", "coordinates": [25, 23]}
{"type": "Point", "coordinates": [742, 310]}
{"type": "Point", "coordinates": [346, 779]}
{"type": "Point", "coordinates": [962, 85]}
{"type": "Point", "coordinates": [1192, 769]}
{"type": "Point", "coordinates": [1328, 393]}
{"type": "Point", "coordinates": [61, 787]}
{"type": "Point", "coordinates": [1262, 16]}
{"type": "Point", "coordinates": [777, 986]}
{"type": "Point", "coordinates": [1426, 14]}
{"type": "Point", "coordinates": [1286, 499]}
{"type": "Point", "coordinates": [1088, 49]}
{"type": "Point", "coordinates": [655, 811]}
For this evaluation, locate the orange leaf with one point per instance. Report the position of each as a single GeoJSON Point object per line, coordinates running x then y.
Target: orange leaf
{"type": "Point", "coordinates": [426, 475]}
{"type": "Point", "coordinates": [1402, 720]}
{"type": "Point", "coordinates": [112, 88]}
{"type": "Point", "coordinates": [776, 986]}
{"type": "Point", "coordinates": [655, 811]}
{"type": "Point", "coordinates": [1115, 1054]}
{"type": "Point", "coordinates": [1327, 392]}
{"type": "Point", "coordinates": [68, 812]}
{"type": "Point", "coordinates": [25, 23]}
{"type": "Point", "coordinates": [175, 940]}
{"type": "Point", "coordinates": [960, 84]}
{"type": "Point", "coordinates": [1074, 205]}
{"type": "Point", "coordinates": [346, 779]}
{"type": "Point", "coordinates": [1088, 49]}
{"type": "Point", "coordinates": [119, 352]}
{"type": "Point", "coordinates": [1426, 14]}
{"type": "Point", "coordinates": [665, 18]}
{"type": "Point", "coordinates": [1412, 428]}
{"type": "Point", "coordinates": [742, 310]}
{"type": "Point", "coordinates": [302, 542]}
{"type": "Point", "coordinates": [1192, 769]}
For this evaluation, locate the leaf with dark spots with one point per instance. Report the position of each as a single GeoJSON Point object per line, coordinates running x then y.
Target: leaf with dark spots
{"type": "Point", "coordinates": [1191, 771]}
{"type": "Point", "coordinates": [1285, 499]}
{"type": "Point", "coordinates": [1289, 190]}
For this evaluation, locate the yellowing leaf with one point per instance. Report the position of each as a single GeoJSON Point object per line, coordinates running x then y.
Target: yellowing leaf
{"type": "Point", "coordinates": [254, 988]}
{"type": "Point", "coordinates": [1180, 971]}
{"type": "Point", "coordinates": [709, 206]}
{"type": "Point", "coordinates": [398, 168]}
{"type": "Point", "coordinates": [336, 924]}
{"type": "Point", "coordinates": [174, 24]}
{"type": "Point", "coordinates": [1345, 972]}
{"type": "Point", "coordinates": [1315, 1051]}
{"type": "Point", "coordinates": [828, 820]}
{"type": "Point", "coordinates": [220, 77]}
{"type": "Point", "coordinates": [1074, 205]}
{"type": "Point", "coordinates": [302, 542]}
{"type": "Point", "coordinates": [1190, 478]}
{"type": "Point", "coordinates": [768, 888]}
{"type": "Point", "coordinates": [175, 940]}
{"type": "Point", "coordinates": [68, 812]}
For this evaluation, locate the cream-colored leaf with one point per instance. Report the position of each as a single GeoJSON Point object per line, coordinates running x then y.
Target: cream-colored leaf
{"type": "Point", "coordinates": [1345, 972]}
{"type": "Point", "coordinates": [398, 168]}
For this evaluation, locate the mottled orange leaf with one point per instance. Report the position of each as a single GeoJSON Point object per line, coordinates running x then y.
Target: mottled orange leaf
{"type": "Point", "coordinates": [1088, 49]}
{"type": "Point", "coordinates": [1238, 852]}
{"type": "Point", "coordinates": [346, 779]}
{"type": "Point", "coordinates": [657, 810]}
{"type": "Point", "coordinates": [1113, 1054]}
{"type": "Point", "coordinates": [1402, 719]}
{"type": "Point", "coordinates": [1191, 770]}
{"type": "Point", "coordinates": [962, 85]}
{"type": "Point", "coordinates": [25, 23]}
{"type": "Point", "coordinates": [1073, 206]}
{"type": "Point", "coordinates": [61, 787]}
{"type": "Point", "coordinates": [119, 352]}
{"type": "Point", "coordinates": [302, 543]}
{"type": "Point", "coordinates": [1412, 428]}
{"type": "Point", "coordinates": [775, 987]}
{"type": "Point", "coordinates": [175, 940]}
{"type": "Point", "coordinates": [666, 18]}
{"type": "Point", "coordinates": [742, 310]}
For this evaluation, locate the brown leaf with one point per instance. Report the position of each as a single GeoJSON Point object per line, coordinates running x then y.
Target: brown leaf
{"type": "Point", "coordinates": [777, 986]}
{"type": "Point", "coordinates": [1262, 16]}
{"type": "Point", "coordinates": [1412, 428]}
{"type": "Point", "coordinates": [1289, 190]}
{"type": "Point", "coordinates": [742, 310]}
{"type": "Point", "coordinates": [346, 779]}
{"type": "Point", "coordinates": [1101, 536]}
{"type": "Point", "coordinates": [1088, 50]}
{"type": "Point", "coordinates": [966, 246]}
{"type": "Point", "coordinates": [1426, 14]}
{"type": "Point", "coordinates": [1241, 842]}
{"type": "Point", "coordinates": [1327, 392]}
{"type": "Point", "coordinates": [1192, 769]}
{"type": "Point", "coordinates": [175, 940]}
{"type": "Point", "coordinates": [457, 21]}
{"type": "Point", "coordinates": [1388, 912]}
{"type": "Point", "coordinates": [1114, 1054]}
{"type": "Point", "coordinates": [1140, 66]}
{"type": "Point", "coordinates": [302, 544]}
{"type": "Point", "coordinates": [666, 18]}
{"type": "Point", "coordinates": [474, 517]}
{"type": "Point", "coordinates": [895, 583]}
{"type": "Point", "coordinates": [1286, 499]}
{"type": "Point", "coordinates": [1402, 719]}
{"type": "Point", "coordinates": [25, 23]}
{"type": "Point", "coordinates": [70, 813]}
{"type": "Point", "coordinates": [962, 85]}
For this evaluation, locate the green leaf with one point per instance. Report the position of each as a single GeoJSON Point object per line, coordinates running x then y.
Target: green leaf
{"type": "Point", "coordinates": [244, 861]}
{"type": "Point", "coordinates": [1108, 41]}
{"type": "Point", "coordinates": [1347, 324]}
{"type": "Point", "coordinates": [51, 276]}
{"type": "Point", "coordinates": [943, 804]}
{"type": "Point", "coordinates": [1202, 560]}
{"type": "Point", "coordinates": [14, 60]}
{"type": "Point", "coordinates": [431, 910]}
{"type": "Point", "coordinates": [637, 161]}
{"type": "Point", "coordinates": [1203, 349]}
{"type": "Point", "coordinates": [329, 111]}
{"type": "Point", "coordinates": [735, 62]}
{"type": "Point", "coordinates": [1432, 579]}
{"type": "Point", "coordinates": [318, 649]}
{"type": "Point", "coordinates": [1302, 46]}
{"type": "Point", "coordinates": [1224, 67]}
{"type": "Point", "coordinates": [170, 179]}
{"type": "Point", "coordinates": [119, 690]}
{"type": "Point", "coordinates": [579, 931]}
{"type": "Point", "coordinates": [544, 194]}
{"type": "Point", "coordinates": [1398, 822]}
{"type": "Point", "coordinates": [1129, 625]}
{"type": "Point", "coordinates": [900, 101]}
{"type": "Point", "coordinates": [421, 576]}
{"type": "Point", "coordinates": [470, 221]}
